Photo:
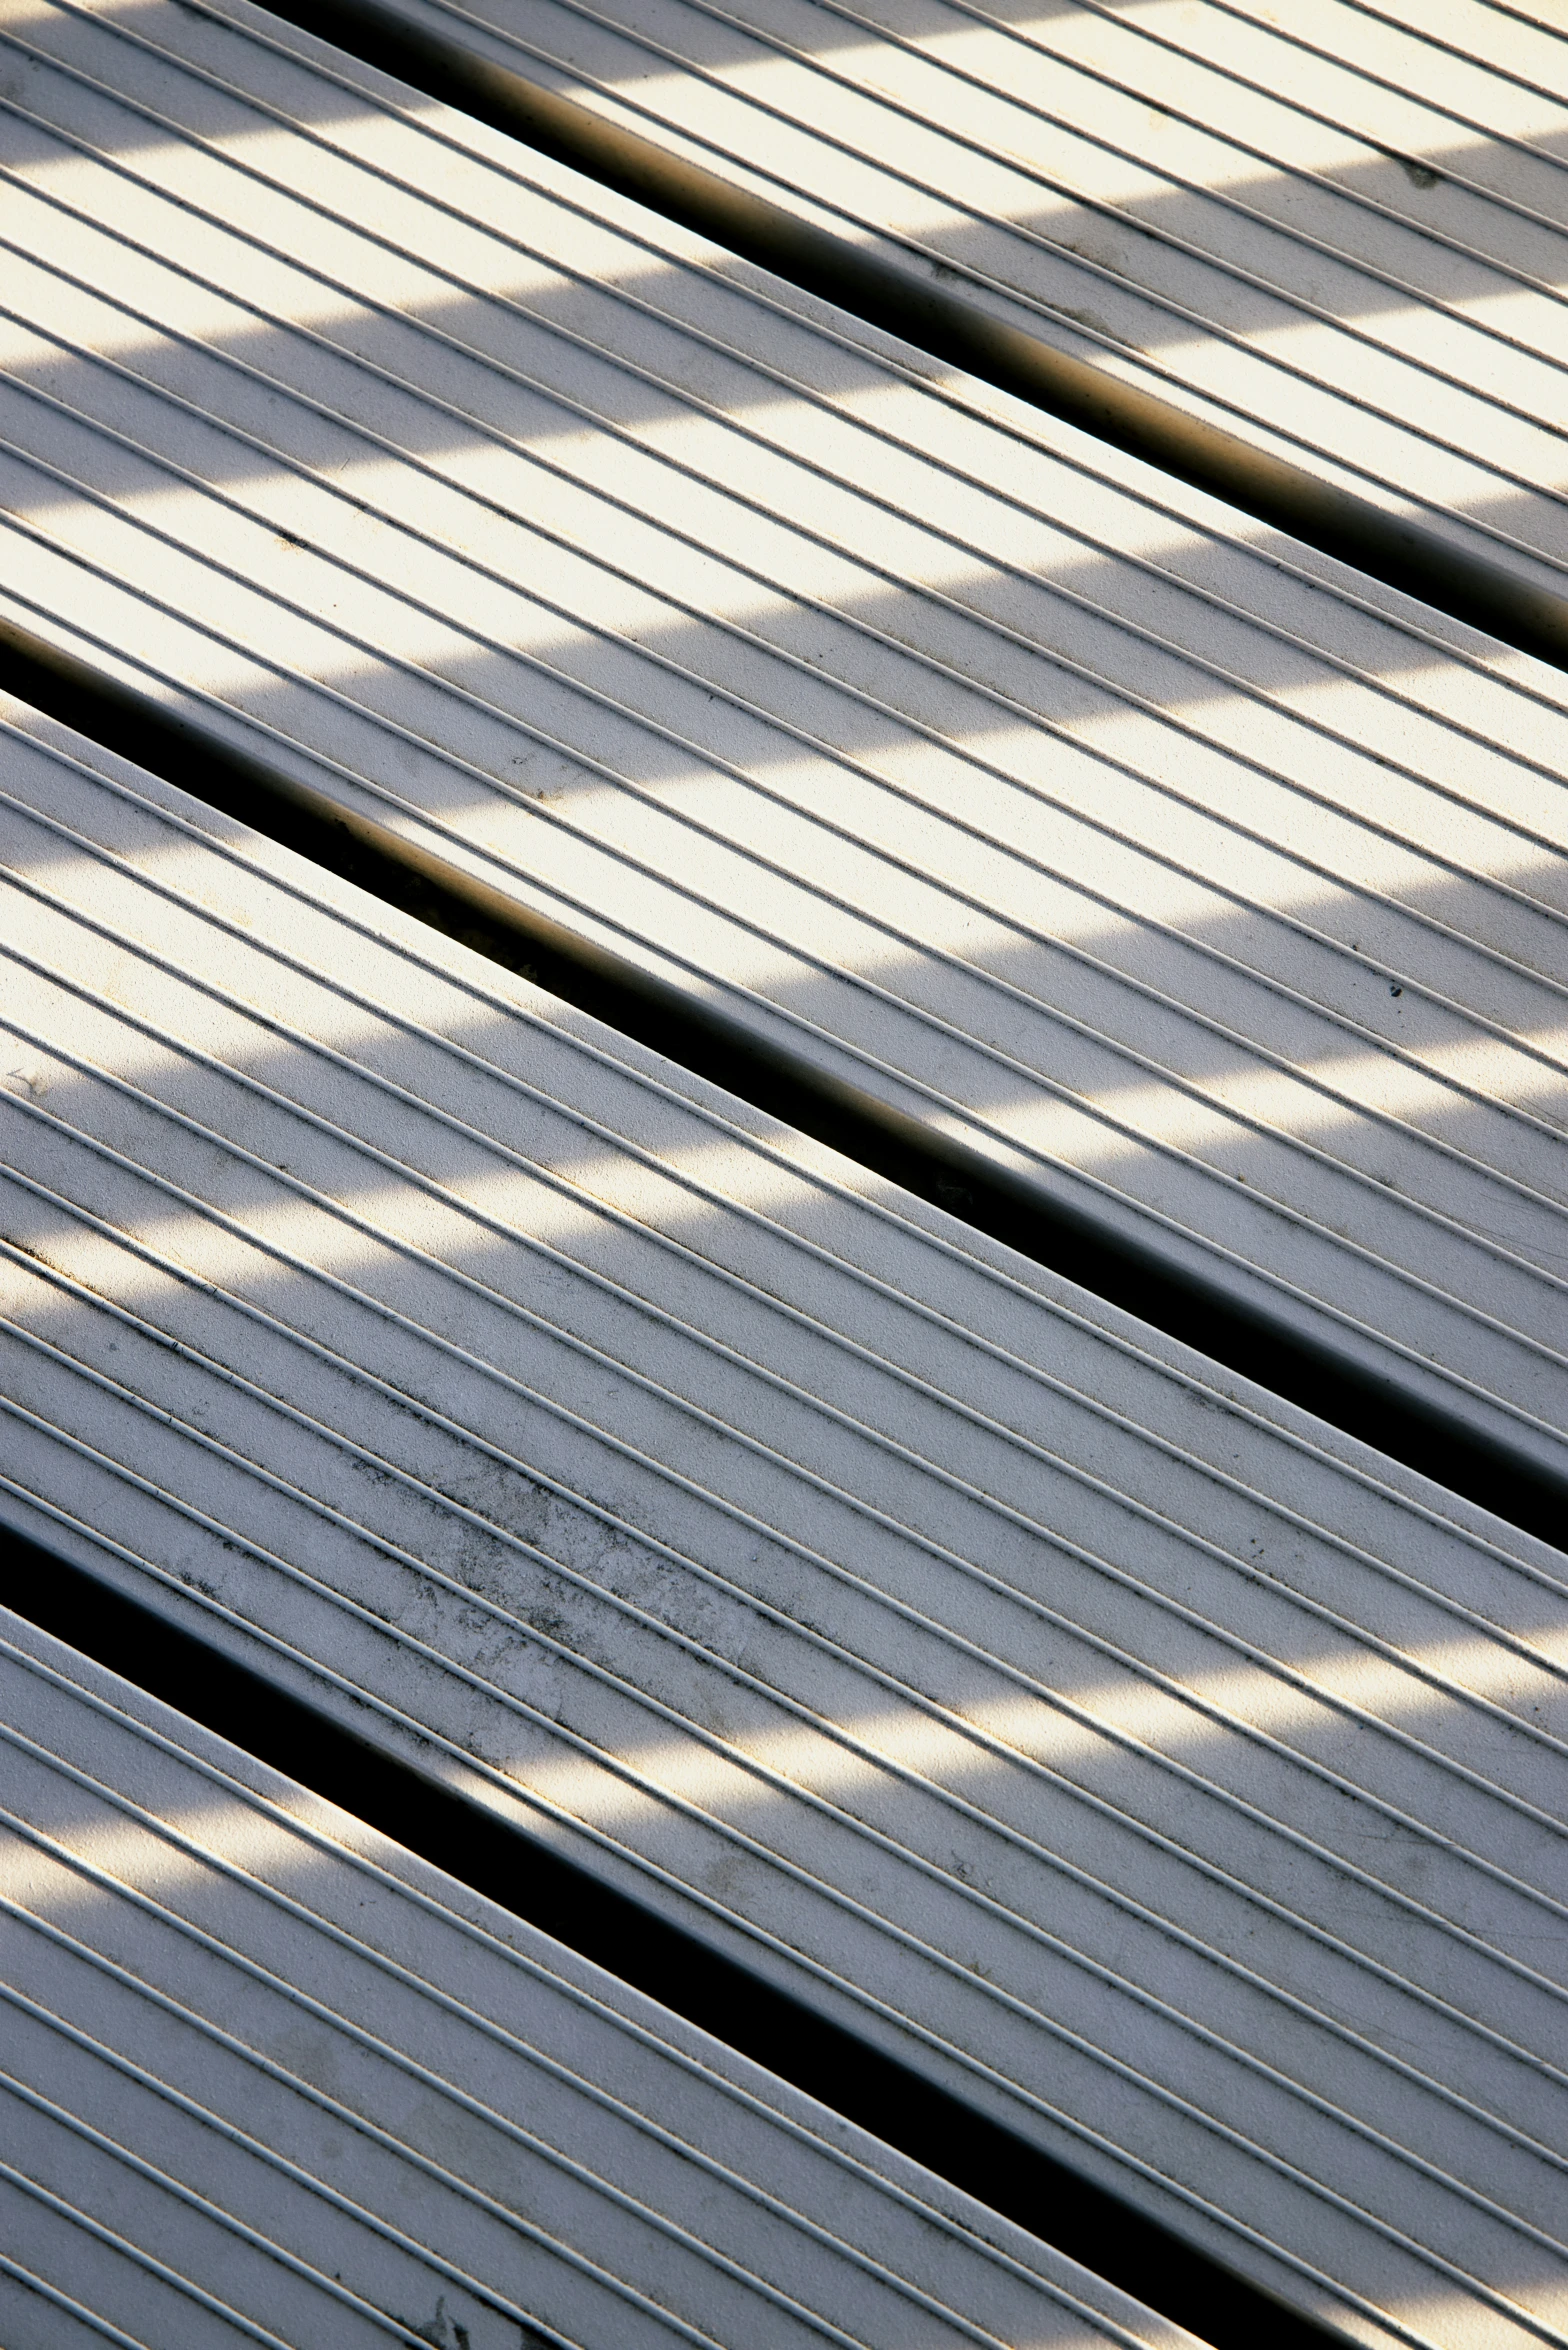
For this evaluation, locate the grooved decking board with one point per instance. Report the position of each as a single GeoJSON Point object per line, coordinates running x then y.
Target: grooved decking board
{"type": "Point", "coordinates": [1206, 897]}
{"type": "Point", "coordinates": [1159, 1771]}
{"type": "Point", "coordinates": [268, 2078]}
{"type": "Point", "coordinates": [1337, 232]}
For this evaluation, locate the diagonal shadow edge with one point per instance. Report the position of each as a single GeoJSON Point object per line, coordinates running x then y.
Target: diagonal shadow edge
{"type": "Point", "coordinates": [457, 1834]}
{"type": "Point", "coordinates": [1016, 1206]}
{"type": "Point", "coordinates": [1404, 555]}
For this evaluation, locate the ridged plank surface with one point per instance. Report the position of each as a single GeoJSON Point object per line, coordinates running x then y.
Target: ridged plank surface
{"type": "Point", "coordinates": [1338, 232]}
{"type": "Point", "coordinates": [1199, 893]}
{"type": "Point", "coordinates": [268, 2079]}
{"type": "Point", "coordinates": [1149, 1766]}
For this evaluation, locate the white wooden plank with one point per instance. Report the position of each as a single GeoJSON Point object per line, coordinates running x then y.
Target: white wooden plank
{"type": "Point", "coordinates": [1155, 1769]}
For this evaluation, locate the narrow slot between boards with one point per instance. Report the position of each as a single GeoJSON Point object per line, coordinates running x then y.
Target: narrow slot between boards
{"type": "Point", "coordinates": [1010, 1205]}
{"type": "Point", "coordinates": [890, 2100]}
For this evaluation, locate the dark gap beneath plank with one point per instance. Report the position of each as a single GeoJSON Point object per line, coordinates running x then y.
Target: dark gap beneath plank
{"type": "Point", "coordinates": [1014, 1207]}
{"type": "Point", "coordinates": [889, 2099]}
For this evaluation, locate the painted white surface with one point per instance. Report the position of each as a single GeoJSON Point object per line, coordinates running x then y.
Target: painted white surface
{"type": "Point", "coordinates": [930, 741]}
{"type": "Point", "coordinates": [1155, 1768]}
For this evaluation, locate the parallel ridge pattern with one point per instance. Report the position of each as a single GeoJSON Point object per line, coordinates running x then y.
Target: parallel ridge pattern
{"type": "Point", "coordinates": [267, 2079]}
{"type": "Point", "coordinates": [1207, 896]}
{"type": "Point", "coordinates": [1337, 234]}
{"type": "Point", "coordinates": [1163, 1775]}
